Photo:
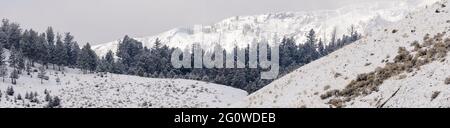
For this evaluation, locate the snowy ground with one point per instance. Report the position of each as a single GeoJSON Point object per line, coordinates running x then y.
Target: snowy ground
{"type": "Point", "coordinates": [303, 87]}
{"type": "Point", "coordinates": [90, 90]}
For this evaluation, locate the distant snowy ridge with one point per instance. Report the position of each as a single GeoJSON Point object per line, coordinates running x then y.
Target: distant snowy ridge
{"type": "Point", "coordinates": [272, 27]}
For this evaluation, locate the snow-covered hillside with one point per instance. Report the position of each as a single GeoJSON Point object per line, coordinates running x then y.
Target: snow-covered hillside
{"type": "Point", "coordinates": [422, 87]}
{"type": "Point", "coordinates": [271, 27]}
{"type": "Point", "coordinates": [117, 91]}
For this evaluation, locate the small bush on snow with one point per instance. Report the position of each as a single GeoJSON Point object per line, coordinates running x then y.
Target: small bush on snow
{"type": "Point", "coordinates": [447, 81]}
{"type": "Point", "coordinates": [435, 94]}
{"type": "Point", "coordinates": [10, 91]}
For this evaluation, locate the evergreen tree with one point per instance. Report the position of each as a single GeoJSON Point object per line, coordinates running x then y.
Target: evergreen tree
{"type": "Point", "coordinates": [28, 45]}
{"type": "Point", "coordinates": [42, 74]}
{"type": "Point", "coordinates": [48, 97]}
{"type": "Point", "coordinates": [3, 72]}
{"type": "Point", "coordinates": [54, 103]}
{"type": "Point", "coordinates": [61, 53]}
{"type": "Point", "coordinates": [288, 52]}
{"type": "Point", "coordinates": [11, 34]}
{"type": "Point", "coordinates": [42, 50]}
{"type": "Point", "coordinates": [68, 43]}
{"type": "Point", "coordinates": [19, 97]}
{"type": "Point", "coordinates": [74, 53]}
{"type": "Point", "coordinates": [128, 52]}
{"type": "Point", "coordinates": [88, 59]}
{"type": "Point", "coordinates": [2, 55]}
{"type": "Point", "coordinates": [3, 37]}
{"type": "Point", "coordinates": [321, 48]}
{"type": "Point", "coordinates": [145, 63]}
{"type": "Point", "coordinates": [50, 36]}
{"type": "Point", "coordinates": [309, 51]}
{"type": "Point", "coordinates": [10, 91]}
{"type": "Point", "coordinates": [332, 44]}
{"type": "Point", "coordinates": [109, 61]}
{"type": "Point", "coordinates": [3, 68]}
{"type": "Point", "coordinates": [28, 68]}
{"type": "Point", "coordinates": [14, 76]}
{"type": "Point", "coordinates": [16, 59]}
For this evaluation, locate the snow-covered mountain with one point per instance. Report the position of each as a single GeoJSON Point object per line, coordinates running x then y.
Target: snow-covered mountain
{"type": "Point", "coordinates": [271, 27]}
{"type": "Point", "coordinates": [425, 85]}
{"type": "Point", "coordinates": [322, 83]}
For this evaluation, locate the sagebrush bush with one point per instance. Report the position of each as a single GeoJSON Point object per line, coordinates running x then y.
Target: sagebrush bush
{"type": "Point", "coordinates": [329, 94]}
{"type": "Point", "coordinates": [435, 95]}
{"type": "Point", "coordinates": [406, 61]}
{"type": "Point", "coordinates": [447, 81]}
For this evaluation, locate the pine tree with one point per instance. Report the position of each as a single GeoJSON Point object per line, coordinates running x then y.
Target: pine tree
{"type": "Point", "coordinates": [42, 74]}
{"type": "Point", "coordinates": [3, 36]}
{"type": "Point", "coordinates": [54, 103]}
{"type": "Point", "coordinates": [11, 34]}
{"type": "Point", "coordinates": [70, 56]}
{"type": "Point", "coordinates": [3, 68]}
{"type": "Point", "coordinates": [10, 91]}
{"type": "Point", "coordinates": [88, 59]}
{"type": "Point", "coordinates": [321, 48]}
{"type": "Point", "coordinates": [50, 36]}
{"type": "Point", "coordinates": [128, 52]}
{"type": "Point", "coordinates": [28, 68]}
{"type": "Point", "coordinates": [333, 42]}
{"type": "Point", "coordinates": [42, 52]}
{"type": "Point", "coordinates": [29, 45]}
{"type": "Point", "coordinates": [2, 55]}
{"type": "Point", "coordinates": [19, 97]}
{"type": "Point", "coordinates": [27, 95]}
{"type": "Point", "coordinates": [309, 50]}
{"type": "Point", "coordinates": [48, 97]}
{"type": "Point", "coordinates": [61, 53]}
{"type": "Point", "coordinates": [14, 76]}
{"type": "Point", "coordinates": [3, 72]}
{"type": "Point", "coordinates": [74, 54]}
{"type": "Point", "coordinates": [289, 54]}
{"type": "Point", "coordinates": [16, 59]}
{"type": "Point", "coordinates": [109, 61]}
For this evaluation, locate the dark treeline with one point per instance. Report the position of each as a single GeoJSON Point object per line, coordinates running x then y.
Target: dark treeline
{"type": "Point", "coordinates": [132, 58]}
{"type": "Point", "coordinates": [28, 47]}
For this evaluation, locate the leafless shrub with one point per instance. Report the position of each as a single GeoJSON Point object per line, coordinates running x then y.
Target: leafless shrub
{"type": "Point", "coordinates": [326, 87]}
{"type": "Point", "coordinates": [329, 94]}
{"type": "Point", "coordinates": [402, 77]}
{"type": "Point", "coordinates": [435, 95]}
{"type": "Point", "coordinates": [441, 50]}
{"type": "Point", "coordinates": [338, 103]}
{"type": "Point", "coordinates": [394, 31]}
{"type": "Point", "coordinates": [403, 55]}
{"type": "Point", "coordinates": [447, 81]}
{"type": "Point", "coordinates": [416, 45]}
{"type": "Point", "coordinates": [336, 75]}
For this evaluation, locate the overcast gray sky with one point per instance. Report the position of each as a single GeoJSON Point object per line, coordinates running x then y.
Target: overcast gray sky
{"type": "Point", "coordinates": [100, 21]}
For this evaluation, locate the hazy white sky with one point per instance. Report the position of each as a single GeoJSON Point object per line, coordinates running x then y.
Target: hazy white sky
{"type": "Point", "coordinates": [100, 21]}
